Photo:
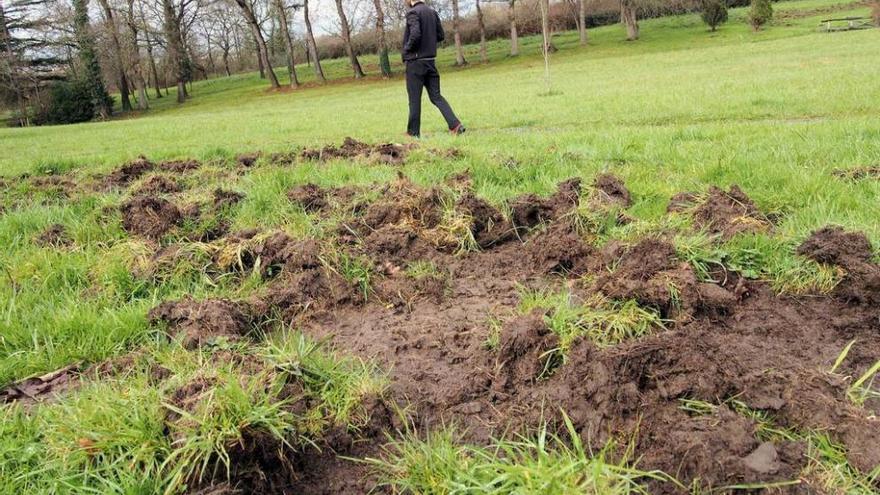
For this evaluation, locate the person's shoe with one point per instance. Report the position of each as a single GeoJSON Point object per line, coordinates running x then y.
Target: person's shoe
{"type": "Point", "coordinates": [457, 130]}
{"type": "Point", "coordinates": [413, 136]}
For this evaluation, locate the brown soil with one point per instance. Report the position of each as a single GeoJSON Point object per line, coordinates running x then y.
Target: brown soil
{"type": "Point", "coordinates": [727, 343]}
{"type": "Point", "coordinates": [224, 198]}
{"type": "Point", "coordinates": [35, 389]}
{"type": "Point", "coordinates": [158, 184]}
{"type": "Point", "coordinates": [851, 251]}
{"type": "Point", "coordinates": [129, 173]}
{"type": "Point", "coordinates": [610, 189]}
{"type": "Point", "coordinates": [729, 213]}
{"type": "Point", "coordinates": [179, 166]}
{"type": "Point", "coordinates": [149, 216]}
{"type": "Point", "coordinates": [54, 236]}
{"type": "Point", "coordinates": [858, 173]}
{"type": "Point", "coordinates": [389, 153]}
{"type": "Point", "coordinates": [203, 322]}
{"type": "Point", "coordinates": [247, 160]}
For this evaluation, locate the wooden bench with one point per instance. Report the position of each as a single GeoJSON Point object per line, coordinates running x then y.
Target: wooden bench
{"type": "Point", "coordinates": [846, 23]}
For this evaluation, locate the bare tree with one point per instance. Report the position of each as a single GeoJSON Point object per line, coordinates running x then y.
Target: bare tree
{"type": "Point", "coordinates": [116, 48]}
{"type": "Point", "coordinates": [173, 16]}
{"type": "Point", "coordinates": [346, 40]}
{"type": "Point", "coordinates": [148, 44]}
{"type": "Point", "coordinates": [456, 34]}
{"type": "Point", "coordinates": [582, 21]}
{"type": "Point", "coordinates": [135, 57]}
{"type": "Point", "coordinates": [288, 41]}
{"type": "Point", "coordinates": [514, 37]}
{"type": "Point", "coordinates": [311, 45]}
{"type": "Point", "coordinates": [247, 9]}
{"type": "Point", "coordinates": [628, 17]}
{"type": "Point", "coordinates": [381, 43]}
{"type": "Point", "coordinates": [484, 56]}
{"type": "Point", "coordinates": [10, 69]}
{"type": "Point", "coordinates": [88, 57]}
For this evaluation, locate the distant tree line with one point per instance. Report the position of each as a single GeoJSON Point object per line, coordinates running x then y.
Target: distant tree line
{"type": "Point", "coordinates": [61, 59]}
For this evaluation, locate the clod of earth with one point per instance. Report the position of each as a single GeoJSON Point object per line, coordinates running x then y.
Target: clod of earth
{"type": "Point", "coordinates": [54, 236]}
{"type": "Point", "coordinates": [203, 322]}
{"type": "Point", "coordinates": [729, 213]}
{"type": "Point", "coordinates": [37, 388]}
{"type": "Point", "coordinates": [859, 173]}
{"type": "Point", "coordinates": [129, 173]}
{"type": "Point", "coordinates": [149, 216]}
{"type": "Point", "coordinates": [851, 251]}
{"type": "Point", "coordinates": [158, 184]}
{"type": "Point", "coordinates": [179, 166]}
{"type": "Point", "coordinates": [610, 189]}
{"type": "Point", "coordinates": [389, 153]}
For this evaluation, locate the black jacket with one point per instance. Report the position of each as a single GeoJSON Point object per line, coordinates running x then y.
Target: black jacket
{"type": "Point", "coordinates": [422, 34]}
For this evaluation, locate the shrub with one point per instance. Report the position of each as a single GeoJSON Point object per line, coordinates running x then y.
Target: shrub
{"type": "Point", "coordinates": [69, 102]}
{"type": "Point", "coordinates": [760, 13]}
{"type": "Point", "coordinates": [714, 13]}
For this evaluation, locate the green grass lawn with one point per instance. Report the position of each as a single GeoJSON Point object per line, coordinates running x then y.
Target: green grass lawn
{"type": "Point", "coordinates": [682, 109]}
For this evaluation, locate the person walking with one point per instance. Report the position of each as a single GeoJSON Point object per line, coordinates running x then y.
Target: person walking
{"type": "Point", "coordinates": [420, 38]}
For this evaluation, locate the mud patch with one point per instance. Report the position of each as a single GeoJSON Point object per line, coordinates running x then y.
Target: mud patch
{"type": "Point", "coordinates": [199, 323]}
{"type": "Point", "coordinates": [149, 216]}
{"type": "Point", "coordinates": [728, 213]}
{"type": "Point", "coordinates": [54, 236]}
{"type": "Point", "coordinates": [389, 153]}
{"type": "Point", "coordinates": [530, 210]}
{"type": "Point", "coordinates": [610, 189]}
{"type": "Point", "coordinates": [129, 173]}
{"type": "Point", "coordinates": [158, 184]}
{"type": "Point", "coordinates": [35, 389]}
{"type": "Point", "coordinates": [179, 166]}
{"type": "Point", "coordinates": [858, 173]}
{"type": "Point", "coordinates": [226, 199]}
{"type": "Point", "coordinates": [851, 251]}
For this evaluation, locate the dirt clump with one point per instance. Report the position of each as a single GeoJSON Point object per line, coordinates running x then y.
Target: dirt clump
{"type": "Point", "coordinates": [728, 213]}
{"type": "Point", "coordinates": [488, 225]}
{"type": "Point", "coordinates": [223, 198]}
{"type": "Point", "coordinates": [58, 185]}
{"type": "Point", "coordinates": [859, 173]}
{"type": "Point", "coordinates": [610, 189]}
{"type": "Point", "coordinates": [158, 184]}
{"type": "Point", "coordinates": [682, 202]}
{"type": "Point", "coordinates": [307, 294]}
{"type": "Point", "coordinates": [559, 249]}
{"type": "Point", "coordinates": [389, 153]}
{"type": "Point", "coordinates": [310, 197]}
{"type": "Point", "coordinates": [55, 235]}
{"type": "Point", "coordinates": [35, 389]}
{"type": "Point", "coordinates": [271, 252]}
{"type": "Point", "coordinates": [129, 172]}
{"type": "Point", "coordinates": [179, 166]}
{"type": "Point", "coordinates": [149, 216]}
{"type": "Point", "coordinates": [202, 322]}
{"type": "Point", "coordinates": [530, 210]}
{"type": "Point", "coordinates": [247, 160]}
{"type": "Point", "coordinates": [851, 251]}
{"type": "Point", "coordinates": [526, 353]}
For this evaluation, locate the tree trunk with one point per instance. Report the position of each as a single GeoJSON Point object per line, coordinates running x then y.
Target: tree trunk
{"type": "Point", "coordinates": [210, 56]}
{"type": "Point", "coordinates": [456, 35]}
{"type": "Point", "coordinates": [116, 46]}
{"type": "Point", "coordinates": [12, 64]}
{"type": "Point", "coordinates": [514, 37]}
{"type": "Point", "coordinates": [484, 55]}
{"type": "Point", "coordinates": [137, 69]}
{"type": "Point", "coordinates": [346, 40]}
{"type": "Point", "coordinates": [628, 17]}
{"type": "Point", "coordinates": [226, 61]}
{"type": "Point", "coordinates": [311, 46]}
{"type": "Point", "coordinates": [89, 59]}
{"type": "Point", "coordinates": [261, 43]}
{"type": "Point", "coordinates": [153, 70]}
{"type": "Point", "coordinates": [288, 42]}
{"type": "Point", "coordinates": [582, 21]}
{"type": "Point", "coordinates": [260, 67]}
{"type": "Point", "coordinates": [176, 49]}
{"type": "Point", "coordinates": [381, 42]}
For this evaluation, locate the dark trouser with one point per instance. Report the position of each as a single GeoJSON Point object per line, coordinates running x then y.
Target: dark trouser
{"type": "Point", "coordinates": [422, 73]}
